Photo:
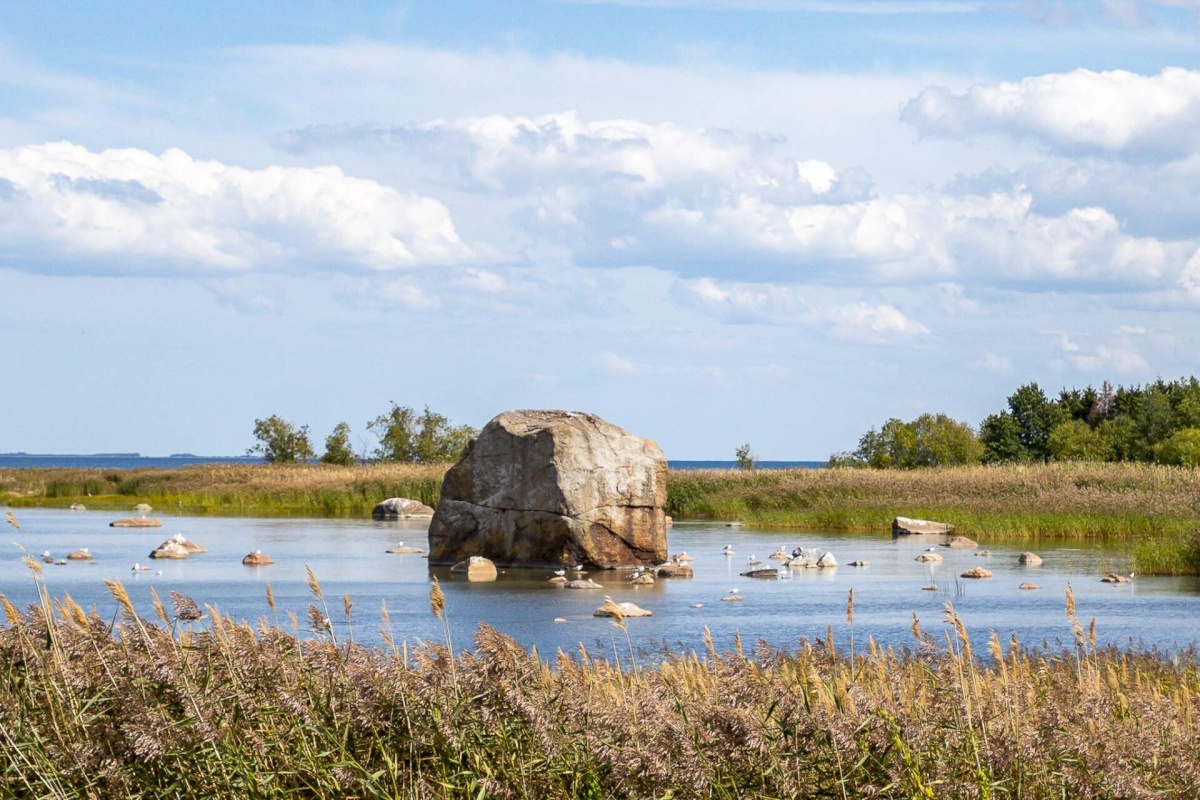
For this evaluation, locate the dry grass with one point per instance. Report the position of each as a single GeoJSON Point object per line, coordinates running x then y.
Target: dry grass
{"type": "Point", "coordinates": [218, 708]}
{"type": "Point", "coordinates": [237, 489]}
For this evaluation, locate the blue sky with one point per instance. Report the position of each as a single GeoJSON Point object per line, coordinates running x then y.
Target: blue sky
{"type": "Point", "coordinates": [712, 222]}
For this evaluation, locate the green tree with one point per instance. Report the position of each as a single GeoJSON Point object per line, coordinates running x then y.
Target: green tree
{"type": "Point", "coordinates": [944, 442]}
{"type": "Point", "coordinates": [1182, 448]}
{"type": "Point", "coordinates": [337, 446]}
{"type": "Point", "coordinates": [427, 438]}
{"type": "Point", "coordinates": [396, 432]}
{"type": "Point", "coordinates": [280, 442]}
{"type": "Point", "coordinates": [1001, 438]}
{"type": "Point", "coordinates": [745, 458]}
{"type": "Point", "coordinates": [931, 440]}
{"type": "Point", "coordinates": [1075, 440]}
{"type": "Point", "coordinates": [1036, 417]}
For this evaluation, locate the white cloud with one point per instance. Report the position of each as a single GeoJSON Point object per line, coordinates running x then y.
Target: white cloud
{"type": "Point", "coordinates": [863, 322]}
{"type": "Point", "coordinates": [611, 362]}
{"type": "Point", "coordinates": [1115, 113]}
{"type": "Point", "coordinates": [65, 208]}
{"type": "Point", "coordinates": [1001, 365]}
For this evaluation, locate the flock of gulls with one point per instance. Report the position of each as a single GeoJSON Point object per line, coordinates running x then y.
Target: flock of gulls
{"type": "Point", "coordinates": [799, 558]}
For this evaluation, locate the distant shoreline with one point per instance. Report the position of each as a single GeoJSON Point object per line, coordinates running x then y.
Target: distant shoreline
{"type": "Point", "coordinates": [138, 461]}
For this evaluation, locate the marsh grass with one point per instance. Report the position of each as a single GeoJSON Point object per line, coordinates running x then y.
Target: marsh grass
{"type": "Point", "coordinates": [200, 705]}
{"type": "Point", "coordinates": [316, 490]}
{"type": "Point", "coordinates": [1151, 511]}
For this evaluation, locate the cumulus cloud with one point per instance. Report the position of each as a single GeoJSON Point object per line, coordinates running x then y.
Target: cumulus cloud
{"type": "Point", "coordinates": [1115, 113]}
{"type": "Point", "coordinates": [732, 205]}
{"type": "Point", "coordinates": [64, 208]}
{"type": "Point", "coordinates": [775, 304]}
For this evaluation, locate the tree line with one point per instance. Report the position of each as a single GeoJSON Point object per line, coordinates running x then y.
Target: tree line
{"type": "Point", "coordinates": [401, 434]}
{"type": "Point", "coordinates": [1158, 422]}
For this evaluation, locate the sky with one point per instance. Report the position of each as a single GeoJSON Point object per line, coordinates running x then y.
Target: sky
{"type": "Point", "coordinates": [711, 222]}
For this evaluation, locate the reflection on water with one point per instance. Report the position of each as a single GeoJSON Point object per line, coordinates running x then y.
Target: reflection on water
{"type": "Point", "coordinates": [348, 558]}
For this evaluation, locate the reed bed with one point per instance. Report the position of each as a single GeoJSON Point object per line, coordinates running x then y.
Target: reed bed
{"type": "Point", "coordinates": [319, 490]}
{"type": "Point", "coordinates": [195, 704]}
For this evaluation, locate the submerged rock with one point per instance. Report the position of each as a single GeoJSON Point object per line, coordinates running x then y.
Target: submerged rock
{"type": "Point", "coordinates": [977, 572]}
{"type": "Point", "coordinates": [860, 563]}
{"type": "Point", "coordinates": [82, 554]}
{"type": "Point", "coordinates": [136, 522]}
{"type": "Point", "coordinates": [732, 597]}
{"type": "Point", "coordinates": [257, 559]}
{"type": "Point", "coordinates": [1029, 559]}
{"type": "Point", "coordinates": [404, 549]}
{"type": "Point", "coordinates": [907, 526]}
{"type": "Point", "coordinates": [476, 568]}
{"type": "Point", "coordinates": [1113, 577]}
{"type": "Point", "coordinates": [960, 543]}
{"type": "Point", "coordinates": [1028, 585]}
{"type": "Point", "coordinates": [584, 583]}
{"type": "Point", "coordinates": [543, 488]}
{"type": "Point", "coordinates": [929, 558]}
{"type": "Point", "coordinates": [401, 508]}
{"type": "Point", "coordinates": [626, 609]}
{"type": "Point", "coordinates": [764, 572]}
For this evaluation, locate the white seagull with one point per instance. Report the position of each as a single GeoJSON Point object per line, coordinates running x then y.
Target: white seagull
{"type": "Point", "coordinates": [560, 572]}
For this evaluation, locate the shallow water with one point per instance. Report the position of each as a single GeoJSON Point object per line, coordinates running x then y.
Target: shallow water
{"type": "Point", "coordinates": [348, 557]}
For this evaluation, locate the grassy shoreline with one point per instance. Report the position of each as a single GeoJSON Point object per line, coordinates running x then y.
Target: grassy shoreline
{"type": "Point", "coordinates": [1153, 511]}
{"type": "Point", "coordinates": [192, 705]}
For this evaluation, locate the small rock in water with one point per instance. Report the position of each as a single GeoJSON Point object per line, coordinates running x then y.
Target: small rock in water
{"type": "Point", "coordinates": [697, 605]}
{"type": "Point", "coordinates": [1029, 559]}
{"type": "Point", "coordinates": [1028, 585]}
{"type": "Point", "coordinates": [558, 579]}
{"type": "Point", "coordinates": [403, 549]}
{"type": "Point", "coordinates": [673, 569]}
{"type": "Point", "coordinates": [257, 559]}
{"type": "Point", "coordinates": [82, 554]}
{"type": "Point", "coordinates": [765, 572]}
{"type": "Point", "coordinates": [929, 558]}
{"type": "Point", "coordinates": [827, 560]}
{"type": "Point", "coordinates": [929, 588]}
{"type": "Point", "coordinates": [977, 572]}
{"type": "Point", "coordinates": [960, 543]}
{"type": "Point", "coordinates": [860, 563]}
{"type": "Point", "coordinates": [643, 580]}
{"type": "Point", "coordinates": [78, 507]}
{"type": "Point", "coordinates": [681, 558]}
{"type": "Point", "coordinates": [477, 568]}
{"type": "Point", "coordinates": [626, 609]}
{"type": "Point", "coordinates": [559, 619]}
{"type": "Point", "coordinates": [732, 598]}
{"type": "Point", "coordinates": [584, 583]}
{"type": "Point", "coordinates": [143, 508]}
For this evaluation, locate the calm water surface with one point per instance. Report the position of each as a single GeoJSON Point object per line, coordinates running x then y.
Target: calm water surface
{"type": "Point", "coordinates": [348, 558]}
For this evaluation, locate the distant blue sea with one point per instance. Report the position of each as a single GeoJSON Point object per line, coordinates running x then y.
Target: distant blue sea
{"type": "Point", "coordinates": [117, 460]}
{"type": "Point", "coordinates": [136, 460]}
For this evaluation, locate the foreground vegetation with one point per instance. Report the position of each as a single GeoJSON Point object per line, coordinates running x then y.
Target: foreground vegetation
{"type": "Point", "coordinates": [198, 705]}
{"type": "Point", "coordinates": [1151, 510]}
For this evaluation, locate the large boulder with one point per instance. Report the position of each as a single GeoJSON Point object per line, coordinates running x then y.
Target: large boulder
{"type": "Point", "coordinates": [539, 488]}
{"type": "Point", "coordinates": [401, 508]}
